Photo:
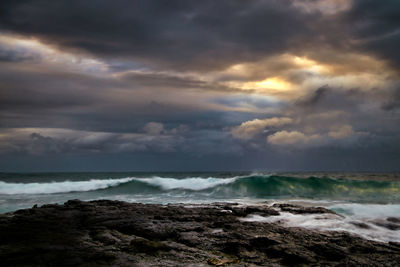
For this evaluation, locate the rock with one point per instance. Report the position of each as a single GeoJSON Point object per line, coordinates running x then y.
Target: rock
{"type": "Point", "coordinates": [393, 219]}
{"type": "Point", "coordinates": [387, 225]}
{"type": "Point", "coordinates": [261, 210]}
{"type": "Point", "coordinates": [263, 241]}
{"type": "Point", "coordinates": [219, 262]}
{"type": "Point", "coordinates": [115, 233]}
{"type": "Point", "coordinates": [147, 246]}
{"type": "Point", "coordinates": [296, 209]}
{"type": "Point", "coordinates": [361, 225]}
{"type": "Point", "coordinates": [397, 244]}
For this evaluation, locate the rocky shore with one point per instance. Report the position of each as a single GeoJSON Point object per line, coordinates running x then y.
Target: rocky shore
{"type": "Point", "coordinates": [113, 233]}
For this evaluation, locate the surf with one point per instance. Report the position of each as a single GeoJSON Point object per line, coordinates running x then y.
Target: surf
{"type": "Point", "coordinates": [254, 186]}
{"type": "Point", "coordinates": [59, 187]}
{"type": "Point", "coordinates": [278, 187]}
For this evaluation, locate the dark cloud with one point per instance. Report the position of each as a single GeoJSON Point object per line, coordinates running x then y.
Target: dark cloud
{"type": "Point", "coordinates": [59, 141]}
{"type": "Point", "coordinates": [195, 35]}
{"type": "Point", "coordinates": [153, 138]}
{"type": "Point", "coordinates": [7, 55]}
{"type": "Point", "coordinates": [181, 34]}
{"type": "Point", "coordinates": [43, 98]}
{"type": "Point", "coordinates": [376, 27]}
{"type": "Point", "coordinates": [315, 97]}
{"type": "Point", "coordinates": [164, 80]}
{"type": "Point", "coordinates": [392, 103]}
{"type": "Point", "coordinates": [327, 98]}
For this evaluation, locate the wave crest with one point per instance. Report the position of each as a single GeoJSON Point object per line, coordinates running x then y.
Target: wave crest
{"type": "Point", "coordinates": [59, 187]}
{"type": "Point", "coordinates": [190, 183]}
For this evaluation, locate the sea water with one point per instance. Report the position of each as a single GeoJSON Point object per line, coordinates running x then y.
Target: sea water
{"type": "Point", "coordinates": [367, 204]}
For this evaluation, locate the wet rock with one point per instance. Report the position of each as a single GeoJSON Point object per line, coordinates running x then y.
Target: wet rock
{"type": "Point", "coordinates": [261, 210]}
{"type": "Point", "coordinates": [146, 246]}
{"type": "Point", "coordinates": [329, 251]}
{"type": "Point", "coordinates": [114, 233]}
{"type": "Point", "coordinates": [296, 209]}
{"type": "Point", "coordinates": [393, 219]}
{"type": "Point", "coordinates": [361, 225]}
{"type": "Point", "coordinates": [387, 225]}
{"type": "Point", "coordinates": [397, 244]}
{"type": "Point", "coordinates": [260, 242]}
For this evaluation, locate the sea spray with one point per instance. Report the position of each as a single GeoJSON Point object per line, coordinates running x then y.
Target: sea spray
{"type": "Point", "coordinates": [59, 187]}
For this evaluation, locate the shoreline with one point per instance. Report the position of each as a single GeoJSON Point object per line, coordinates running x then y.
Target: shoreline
{"type": "Point", "coordinates": [116, 233]}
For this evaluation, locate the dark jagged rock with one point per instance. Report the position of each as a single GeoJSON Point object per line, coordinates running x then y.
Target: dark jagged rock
{"type": "Point", "coordinates": [113, 233]}
{"type": "Point", "coordinates": [393, 219]}
{"type": "Point", "coordinates": [296, 209]}
{"type": "Point", "coordinates": [387, 224]}
{"type": "Point", "coordinates": [361, 225]}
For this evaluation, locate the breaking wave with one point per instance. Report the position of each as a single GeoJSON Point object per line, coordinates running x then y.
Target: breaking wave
{"type": "Point", "coordinates": [253, 186]}
{"type": "Point", "coordinates": [191, 183]}
{"type": "Point", "coordinates": [59, 187]}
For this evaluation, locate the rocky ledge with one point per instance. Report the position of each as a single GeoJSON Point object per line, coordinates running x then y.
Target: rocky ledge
{"type": "Point", "coordinates": [113, 233]}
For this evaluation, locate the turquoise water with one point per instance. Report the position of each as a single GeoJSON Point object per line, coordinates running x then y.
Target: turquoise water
{"type": "Point", "coordinates": [26, 189]}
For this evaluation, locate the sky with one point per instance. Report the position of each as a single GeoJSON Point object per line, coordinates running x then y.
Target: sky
{"type": "Point", "coordinates": [126, 85]}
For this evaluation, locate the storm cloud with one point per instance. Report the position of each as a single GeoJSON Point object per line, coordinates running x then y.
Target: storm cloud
{"type": "Point", "coordinates": [276, 84]}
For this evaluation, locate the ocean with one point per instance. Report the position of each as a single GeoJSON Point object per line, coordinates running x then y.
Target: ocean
{"type": "Point", "coordinates": [367, 204]}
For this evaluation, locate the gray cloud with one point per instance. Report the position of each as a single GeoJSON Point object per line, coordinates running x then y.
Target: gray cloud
{"type": "Point", "coordinates": [392, 103]}
{"type": "Point", "coordinates": [376, 27]}
{"type": "Point", "coordinates": [194, 35]}
{"type": "Point", "coordinates": [15, 56]}
{"type": "Point", "coordinates": [148, 80]}
{"type": "Point", "coordinates": [179, 34]}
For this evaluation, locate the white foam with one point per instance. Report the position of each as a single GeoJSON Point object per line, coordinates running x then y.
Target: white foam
{"type": "Point", "coordinates": [367, 210]}
{"type": "Point", "coordinates": [191, 183]}
{"type": "Point", "coordinates": [348, 223]}
{"type": "Point", "coordinates": [59, 187]}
